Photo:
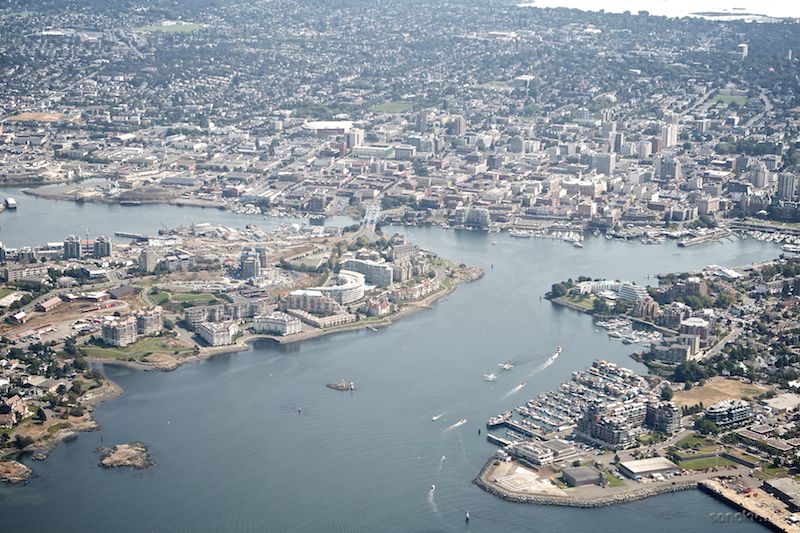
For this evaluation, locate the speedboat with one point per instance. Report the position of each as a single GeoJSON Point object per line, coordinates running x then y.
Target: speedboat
{"type": "Point", "coordinates": [489, 377]}
{"type": "Point", "coordinates": [523, 384]}
{"type": "Point", "coordinates": [558, 349]}
{"type": "Point", "coordinates": [436, 417]}
{"type": "Point", "coordinates": [505, 366]}
{"type": "Point", "coordinates": [577, 244]}
{"type": "Point", "coordinates": [462, 421]}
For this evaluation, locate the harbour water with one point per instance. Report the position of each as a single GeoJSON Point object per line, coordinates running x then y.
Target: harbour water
{"type": "Point", "coordinates": [40, 220]}
{"type": "Point", "coordinates": [722, 9]}
{"type": "Point", "coordinates": [255, 441]}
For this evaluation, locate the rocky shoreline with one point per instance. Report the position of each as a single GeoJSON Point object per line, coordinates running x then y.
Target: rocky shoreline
{"type": "Point", "coordinates": [634, 495]}
{"type": "Point", "coordinates": [134, 455]}
{"type": "Point", "coordinates": [14, 472]}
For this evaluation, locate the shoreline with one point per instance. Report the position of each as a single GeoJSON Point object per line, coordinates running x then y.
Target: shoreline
{"type": "Point", "coordinates": [243, 343]}
{"type": "Point", "coordinates": [634, 495]}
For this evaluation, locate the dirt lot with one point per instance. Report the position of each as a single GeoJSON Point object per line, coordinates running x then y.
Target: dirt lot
{"type": "Point", "coordinates": [717, 389]}
{"type": "Point", "coordinates": [35, 117]}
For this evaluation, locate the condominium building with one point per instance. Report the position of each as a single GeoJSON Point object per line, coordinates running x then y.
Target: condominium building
{"type": "Point", "coordinates": [218, 333]}
{"type": "Point", "coordinates": [378, 274]}
{"type": "Point", "coordinates": [149, 322]}
{"type": "Point", "coordinates": [729, 413]}
{"type": "Point", "coordinates": [120, 332]}
{"type": "Point", "coordinates": [349, 287]}
{"type": "Point", "coordinates": [277, 323]}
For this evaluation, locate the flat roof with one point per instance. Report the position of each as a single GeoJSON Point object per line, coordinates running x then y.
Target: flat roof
{"type": "Point", "coordinates": [788, 401]}
{"type": "Point", "coordinates": [643, 466]}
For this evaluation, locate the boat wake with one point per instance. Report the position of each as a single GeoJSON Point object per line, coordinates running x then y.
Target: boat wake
{"type": "Point", "coordinates": [431, 501]}
{"type": "Point", "coordinates": [514, 390]}
{"type": "Point", "coordinates": [457, 424]}
{"type": "Point", "coordinates": [549, 361]}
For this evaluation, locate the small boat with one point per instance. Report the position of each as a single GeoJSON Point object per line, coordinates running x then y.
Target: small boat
{"type": "Point", "coordinates": [11, 203]}
{"type": "Point", "coordinates": [489, 377]}
{"type": "Point", "coordinates": [505, 366]}
{"type": "Point", "coordinates": [577, 244]}
{"type": "Point", "coordinates": [433, 487]}
{"type": "Point", "coordinates": [436, 417]}
{"type": "Point", "coordinates": [523, 383]}
{"type": "Point", "coordinates": [558, 349]}
{"type": "Point", "coordinates": [462, 421]}
{"type": "Point", "coordinates": [372, 328]}
{"type": "Point", "coordinates": [467, 516]}
{"type": "Point", "coordinates": [494, 243]}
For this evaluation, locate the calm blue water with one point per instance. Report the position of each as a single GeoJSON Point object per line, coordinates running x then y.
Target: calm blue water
{"type": "Point", "coordinates": [39, 220]}
{"type": "Point", "coordinates": [232, 453]}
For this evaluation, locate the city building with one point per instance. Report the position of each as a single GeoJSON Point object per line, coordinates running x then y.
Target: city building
{"type": "Point", "coordinates": [119, 332]}
{"type": "Point", "coordinates": [729, 413]}
{"type": "Point", "coordinates": [654, 466]}
{"type": "Point", "coordinates": [218, 333]}
{"type": "Point", "coordinates": [277, 323]}
{"type": "Point", "coordinates": [149, 322]}
{"type": "Point", "coordinates": [378, 274]}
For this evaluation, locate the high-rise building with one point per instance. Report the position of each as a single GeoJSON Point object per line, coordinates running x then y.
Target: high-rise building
{"type": "Point", "coordinates": [458, 125]}
{"type": "Point", "coordinates": [101, 247]}
{"type": "Point", "coordinates": [120, 332]}
{"type": "Point", "coordinates": [787, 185]}
{"type": "Point", "coordinates": [148, 260]}
{"type": "Point", "coordinates": [72, 247]}
{"type": "Point", "coordinates": [605, 162]}
{"type": "Point", "coordinates": [250, 265]}
{"type": "Point", "coordinates": [645, 149]}
{"type": "Point", "coordinates": [355, 137]}
{"type": "Point", "coordinates": [759, 176]}
{"type": "Point", "coordinates": [669, 135]}
{"type": "Point", "coordinates": [619, 141]}
{"type": "Point", "coordinates": [263, 256]}
{"type": "Point", "coordinates": [422, 121]}
{"type": "Point", "coordinates": [149, 322]}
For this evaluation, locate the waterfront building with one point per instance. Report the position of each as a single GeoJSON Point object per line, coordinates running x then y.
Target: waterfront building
{"type": "Point", "coordinates": [378, 274]}
{"type": "Point", "coordinates": [415, 292]}
{"type": "Point", "coordinates": [149, 322]}
{"type": "Point", "coordinates": [120, 332]}
{"type": "Point", "coordinates": [327, 321]}
{"type": "Point", "coordinates": [377, 307]}
{"type": "Point", "coordinates": [632, 292]}
{"type": "Point", "coordinates": [218, 333]}
{"type": "Point", "coordinates": [472, 217]}
{"type": "Point", "coordinates": [614, 425]}
{"type": "Point", "coordinates": [277, 323]}
{"type": "Point", "coordinates": [72, 247]}
{"type": "Point", "coordinates": [101, 247]}
{"type": "Point", "coordinates": [643, 468]}
{"type": "Point", "coordinates": [311, 301]}
{"type": "Point", "coordinates": [664, 417]}
{"type": "Point", "coordinates": [729, 413]}
{"type": "Point", "coordinates": [787, 185]}
{"type": "Point", "coordinates": [578, 476]}
{"type": "Point", "coordinates": [198, 314]}
{"type": "Point", "coordinates": [349, 287]}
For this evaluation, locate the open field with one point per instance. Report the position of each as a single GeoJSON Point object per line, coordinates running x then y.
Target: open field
{"type": "Point", "coordinates": [392, 107]}
{"type": "Point", "coordinates": [139, 350]}
{"type": "Point", "coordinates": [169, 28]}
{"type": "Point", "coordinates": [32, 116]}
{"type": "Point", "coordinates": [702, 464]}
{"type": "Point", "coordinates": [725, 99]}
{"type": "Point", "coordinates": [717, 389]}
{"type": "Point", "coordinates": [194, 298]}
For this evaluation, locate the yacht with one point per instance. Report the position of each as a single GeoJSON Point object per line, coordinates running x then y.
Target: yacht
{"type": "Point", "coordinates": [489, 377]}
{"type": "Point", "coordinates": [520, 234]}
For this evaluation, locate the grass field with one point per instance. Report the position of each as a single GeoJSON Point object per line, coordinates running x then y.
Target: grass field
{"type": "Point", "coordinates": [5, 292]}
{"type": "Point", "coordinates": [715, 390]}
{"type": "Point", "coordinates": [586, 304]}
{"type": "Point", "coordinates": [139, 350]}
{"type": "Point", "coordinates": [694, 441]}
{"type": "Point", "coordinates": [702, 464]}
{"type": "Point", "coordinates": [194, 298]}
{"type": "Point", "coordinates": [169, 28]}
{"type": "Point", "coordinates": [769, 472]}
{"type": "Point", "coordinates": [611, 479]}
{"type": "Point", "coordinates": [392, 107]}
{"type": "Point", "coordinates": [725, 99]}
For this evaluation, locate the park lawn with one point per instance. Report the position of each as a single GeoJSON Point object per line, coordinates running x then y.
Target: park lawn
{"type": "Point", "coordinates": [767, 471]}
{"type": "Point", "coordinates": [587, 304]}
{"type": "Point", "coordinates": [168, 28]}
{"type": "Point", "coordinates": [726, 99]}
{"type": "Point", "coordinates": [194, 298]}
{"type": "Point", "coordinates": [57, 426]}
{"type": "Point", "coordinates": [5, 291]}
{"type": "Point", "coordinates": [694, 440]}
{"type": "Point", "coordinates": [702, 464]}
{"type": "Point", "coordinates": [139, 350]}
{"type": "Point", "coordinates": [392, 106]}
{"type": "Point", "coordinates": [160, 297]}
